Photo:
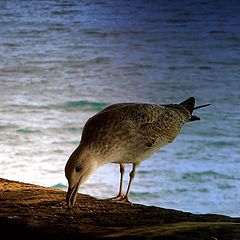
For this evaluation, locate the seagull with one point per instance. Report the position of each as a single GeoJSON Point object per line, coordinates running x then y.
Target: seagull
{"type": "Point", "coordinates": [125, 133]}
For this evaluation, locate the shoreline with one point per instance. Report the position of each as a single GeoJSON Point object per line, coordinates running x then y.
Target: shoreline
{"type": "Point", "coordinates": [34, 212]}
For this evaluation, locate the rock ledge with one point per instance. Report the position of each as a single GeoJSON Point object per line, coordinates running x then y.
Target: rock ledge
{"type": "Point", "coordinates": [34, 212]}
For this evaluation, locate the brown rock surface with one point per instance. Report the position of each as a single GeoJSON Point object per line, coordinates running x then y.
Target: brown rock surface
{"type": "Point", "coordinates": [33, 212]}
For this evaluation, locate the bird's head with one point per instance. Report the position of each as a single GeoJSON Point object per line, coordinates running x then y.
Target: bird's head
{"type": "Point", "coordinates": [77, 170]}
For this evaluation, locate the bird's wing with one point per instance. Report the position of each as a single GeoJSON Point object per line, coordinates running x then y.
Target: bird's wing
{"type": "Point", "coordinates": [163, 128]}
{"type": "Point", "coordinates": [149, 123]}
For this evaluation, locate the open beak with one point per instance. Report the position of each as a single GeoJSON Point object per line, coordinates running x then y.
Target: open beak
{"type": "Point", "coordinates": [195, 118]}
{"type": "Point", "coordinates": [72, 195]}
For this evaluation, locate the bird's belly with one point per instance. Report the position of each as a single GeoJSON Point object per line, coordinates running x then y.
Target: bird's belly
{"type": "Point", "coordinates": [134, 153]}
{"type": "Point", "coordinates": [125, 148]}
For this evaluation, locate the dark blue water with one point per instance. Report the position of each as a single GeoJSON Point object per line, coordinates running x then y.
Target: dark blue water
{"type": "Point", "coordinates": [62, 61]}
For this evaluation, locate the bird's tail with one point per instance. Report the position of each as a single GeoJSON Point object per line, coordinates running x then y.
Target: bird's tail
{"type": "Point", "coordinates": [189, 104]}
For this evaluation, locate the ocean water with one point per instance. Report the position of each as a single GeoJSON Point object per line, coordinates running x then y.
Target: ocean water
{"type": "Point", "coordinates": [62, 61]}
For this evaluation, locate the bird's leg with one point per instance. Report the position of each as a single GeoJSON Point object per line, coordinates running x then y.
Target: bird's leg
{"type": "Point", "coordinates": [131, 175]}
{"type": "Point", "coordinates": [124, 198]}
{"type": "Point", "coordinates": [122, 170]}
{"type": "Point", "coordinates": [120, 196]}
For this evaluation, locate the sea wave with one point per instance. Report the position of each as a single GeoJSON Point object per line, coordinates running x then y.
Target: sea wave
{"type": "Point", "coordinates": [84, 105]}
{"type": "Point", "coordinates": [74, 129]}
{"type": "Point", "coordinates": [143, 195]}
{"type": "Point", "coordinates": [59, 186]}
{"type": "Point", "coordinates": [28, 130]}
{"type": "Point", "coordinates": [206, 176]}
{"type": "Point", "coordinates": [7, 126]}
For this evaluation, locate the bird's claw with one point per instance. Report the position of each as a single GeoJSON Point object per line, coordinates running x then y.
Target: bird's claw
{"type": "Point", "coordinates": [121, 199]}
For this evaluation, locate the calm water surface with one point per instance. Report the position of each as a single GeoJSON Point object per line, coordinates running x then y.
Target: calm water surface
{"type": "Point", "coordinates": [62, 61]}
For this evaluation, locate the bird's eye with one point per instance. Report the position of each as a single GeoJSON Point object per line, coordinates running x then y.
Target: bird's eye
{"type": "Point", "coordinates": [78, 168]}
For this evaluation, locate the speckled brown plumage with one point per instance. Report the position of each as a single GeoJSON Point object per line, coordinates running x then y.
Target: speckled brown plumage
{"type": "Point", "coordinates": [130, 132]}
